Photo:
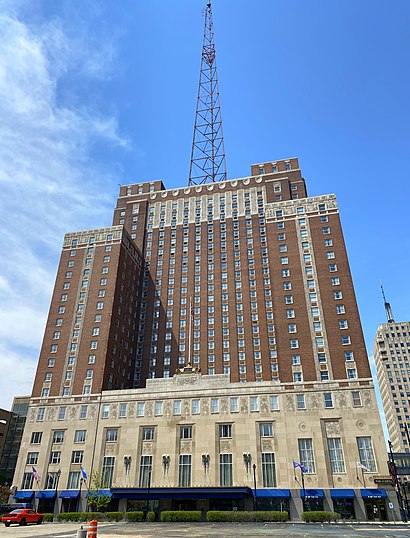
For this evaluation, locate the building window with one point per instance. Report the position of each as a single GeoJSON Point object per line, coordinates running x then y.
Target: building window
{"type": "Point", "coordinates": [225, 470]}
{"type": "Point", "coordinates": [337, 463]}
{"type": "Point", "coordinates": [306, 454]}
{"type": "Point", "coordinates": [266, 429]}
{"type": "Point", "coordinates": [111, 435]}
{"type": "Point", "coordinates": [108, 471]}
{"type": "Point", "coordinates": [274, 402]}
{"type": "Point", "coordinates": [234, 404]}
{"type": "Point", "coordinates": [366, 456]}
{"type": "Point", "coordinates": [27, 482]}
{"type": "Point", "coordinates": [254, 403]}
{"type": "Point", "coordinates": [77, 456]}
{"type": "Point", "coordinates": [356, 398]}
{"type": "Point", "coordinates": [195, 407]}
{"type": "Point", "coordinates": [32, 458]}
{"type": "Point", "coordinates": [185, 432]}
{"type": "Point", "coordinates": [105, 411]}
{"type": "Point", "coordinates": [140, 409]}
{"type": "Point", "coordinates": [352, 373]}
{"type": "Point", "coordinates": [158, 408]}
{"type": "Point", "coordinates": [73, 480]}
{"type": "Point", "coordinates": [58, 436]}
{"type": "Point", "coordinates": [83, 412]}
{"type": "Point", "coordinates": [36, 438]}
{"type": "Point", "coordinates": [225, 430]}
{"type": "Point", "coordinates": [177, 407]}
{"type": "Point", "coordinates": [55, 456]}
{"type": "Point", "coordinates": [300, 401]}
{"type": "Point", "coordinates": [268, 470]}
{"type": "Point", "coordinates": [328, 399]}
{"type": "Point", "coordinates": [184, 470]}
{"type": "Point", "coordinates": [79, 436]}
{"type": "Point", "coordinates": [145, 471]}
{"type": "Point", "coordinates": [148, 434]}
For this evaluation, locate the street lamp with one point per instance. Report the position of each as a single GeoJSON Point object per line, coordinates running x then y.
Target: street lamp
{"type": "Point", "coordinates": [58, 474]}
{"type": "Point", "coordinates": [255, 501]}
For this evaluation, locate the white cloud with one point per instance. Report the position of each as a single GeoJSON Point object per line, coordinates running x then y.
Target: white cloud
{"type": "Point", "coordinates": [48, 181]}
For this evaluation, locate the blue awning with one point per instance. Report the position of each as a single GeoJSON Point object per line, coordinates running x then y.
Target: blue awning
{"type": "Point", "coordinates": [182, 493]}
{"type": "Point", "coordinates": [342, 494]}
{"type": "Point", "coordinates": [311, 493]}
{"type": "Point", "coordinates": [102, 492]}
{"type": "Point", "coordinates": [23, 495]}
{"type": "Point", "coordinates": [69, 494]}
{"type": "Point", "coordinates": [46, 494]}
{"type": "Point", "coordinates": [276, 493]}
{"type": "Point", "coordinates": [373, 493]}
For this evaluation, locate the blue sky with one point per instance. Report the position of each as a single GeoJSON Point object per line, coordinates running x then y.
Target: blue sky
{"type": "Point", "coordinates": [99, 93]}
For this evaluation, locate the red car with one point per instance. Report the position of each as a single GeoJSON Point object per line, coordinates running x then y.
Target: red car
{"type": "Point", "coordinates": [22, 516]}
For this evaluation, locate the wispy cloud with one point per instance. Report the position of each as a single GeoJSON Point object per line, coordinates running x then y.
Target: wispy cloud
{"type": "Point", "coordinates": [47, 177]}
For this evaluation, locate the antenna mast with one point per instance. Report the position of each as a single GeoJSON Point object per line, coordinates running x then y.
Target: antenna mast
{"type": "Point", "coordinates": [208, 154]}
{"type": "Point", "coordinates": [389, 312]}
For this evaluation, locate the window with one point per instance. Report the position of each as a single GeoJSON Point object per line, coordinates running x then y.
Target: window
{"type": "Point", "coordinates": [295, 359]}
{"type": "Point", "coordinates": [328, 400]}
{"type": "Point", "coordinates": [111, 435]}
{"type": "Point", "coordinates": [254, 403]}
{"type": "Point", "coordinates": [340, 309]}
{"type": "Point", "coordinates": [343, 324]}
{"type": "Point", "coordinates": [292, 328]}
{"type": "Point", "coordinates": [266, 429]}
{"type": "Point", "coordinates": [140, 409]}
{"type": "Point", "coordinates": [338, 295]}
{"type": "Point", "coordinates": [345, 340]}
{"type": "Point", "coordinates": [73, 480]}
{"type": "Point", "coordinates": [108, 471]}
{"type": "Point", "coordinates": [366, 456]}
{"type": "Point", "coordinates": [79, 436]}
{"type": "Point", "coordinates": [105, 411]}
{"type": "Point", "coordinates": [294, 344]}
{"type": "Point", "coordinates": [300, 401]}
{"type": "Point", "coordinates": [195, 407]}
{"type": "Point", "coordinates": [177, 407]}
{"type": "Point", "coordinates": [332, 268]}
{"type": "Point", "coordinates": [225, 470]}
{"type": "Point", "coordinates": [288, 299]}
{"type": "Point", "coordinates": [32, 458]}
{"type": "Point", "coordinates": [83, 412]}
{"type": "Point", "coordinates": [225, 430]}
{"type": "Point", "coordinates": [27, 482]}
{"type": "Point", "coordinates": [77, 456]}
{"type": "Point", "coordinates": [234, 404]}
{"type": "Point", "coordinates": [349, 356]}
{"type": "Point", "coordinates": [58, 436]}
{"type": "Point", "coordinates": [274, 402]}
{"type": "Point", "coordinates": [356, 398]}
{"type": "Point", "coordinates": [123, 410]}
{"type": "Point", "coordinates": [185, 432]}
{"type": "Point", "coordinates": [351, 373]}
{"type": "Point", "coordinates": [36, 438]}
{"type": "Point", "coordinates": [297, 377]}
{"type": "Point", "coordinates": [268, 470]}
{"type": "Point", "coordinates": [145, 471]}
{"type": "Point", "coordinates": [214, 405]}
{"type": "Point", "coordinates": [306, 454]}
{"type": "Point", "coordinates": [55, 456]}
{"type": "Point", "coordinates": [61, 413]}
{"type": "Point", "coordinates": [148, 434]}
{"type": "Point", "coordinates": [184, 470]}
{"type": "Point", "coordinates": [337, 463]}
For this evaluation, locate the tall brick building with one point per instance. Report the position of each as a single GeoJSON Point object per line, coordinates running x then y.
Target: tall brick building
{"type": "Point", "coordinates": [212, 330]}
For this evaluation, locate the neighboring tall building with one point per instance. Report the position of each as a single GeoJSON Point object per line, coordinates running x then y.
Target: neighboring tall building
{"type": "Point", "coordinates": [12, 439]}
{"type": "Point", "coordinates": [392, 357]}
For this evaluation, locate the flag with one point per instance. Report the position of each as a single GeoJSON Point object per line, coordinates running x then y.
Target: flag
{"type": "Point", "coordinates": [36, 475]}
{"type": "Point", "coordinates": [83, 473]}
{"type": "Point", "coordinates": [301, 467]}
{"type": "Point", "coordinates": [361, 466]}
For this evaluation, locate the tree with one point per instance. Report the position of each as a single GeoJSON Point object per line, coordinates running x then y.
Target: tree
{"type": "Point", "coordinates": [96, 500]}
{"type": "Point", "coordinates": [4, 494]}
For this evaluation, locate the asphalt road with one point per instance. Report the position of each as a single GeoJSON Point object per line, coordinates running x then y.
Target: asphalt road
{"type": "Point", "coordinates": [205, 530]}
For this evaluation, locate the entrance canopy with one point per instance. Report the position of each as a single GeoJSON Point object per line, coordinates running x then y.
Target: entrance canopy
{"type": "Point", "coordinates": [69, 494]}
{"type": "Point", "coordinates": [46, 494]}
{"type": "Point", "coordinates": [342, 494]}
{"type": "Point", "coordinates": [373, 493]}
{"type": "Point", "coordinates": [311, 494]}
{"type": "Point", "coordinates": [273, 493]}
{"type": "Point", "coordinates": [23, 495]}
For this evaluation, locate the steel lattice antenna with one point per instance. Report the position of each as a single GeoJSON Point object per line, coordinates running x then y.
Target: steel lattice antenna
{"type": "Point", "coordinates": [387, 307]}
{"type": "Point", "coordinates": [208, 155]}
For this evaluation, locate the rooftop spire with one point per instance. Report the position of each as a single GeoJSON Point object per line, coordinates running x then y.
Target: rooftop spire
{"type": "Point", "coordinates": [208, 156]}
{"type": "Point", "coordinates": [387, 307]}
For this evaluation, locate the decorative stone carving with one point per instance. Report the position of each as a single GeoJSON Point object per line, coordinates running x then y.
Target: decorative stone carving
{"type": "Point", "coordinates": [224, 406]}
{"type": "Point", "coordinates": [187, 379]}
{"type": "Point", "coordinates": [360, 424]}
{"type": "Point", "coordinates": [225, 446]}
{"type": "Point", "coordinates": [186, 407]}
{"type": "Point", "coordinates": [148, 409]}
{"type": "Point", "coordinates": [131, 409]}
{"type": "Point", "coordinates": [110, 448]}
{"type": "Point", "coordinates": [267, 445]}
{"type": "Point", "coordinates": [51, 414]}
{"type": "Point", "coordinates": [367, 400]}
{"type": "Point", "coordinates": [114, 410]}
{"type": "Point", "coordinates": [72, 415]}
{"type": "Point", "coordinates": [244, 405]}
{"type": "Point", "coordinates": [92, 412]}
{"type": "Point", "coordinates": [32, 415]}
{"type": "Point", "coordinates": [332, 428]}
{"type": "Point", "coordinates": [167, 409]}
{"type": "Point", "coordinates": [314, 401]}
{"type": "Point", "coordinates": [302, 426]}
{"type": "Point", "coordinates": [264, 405]}
{"type": "Point", "coordinates": [147, 448]}
{"type": "Point", "coordinates": [186, 447]}
{"type": "Point", "coordinates": [342, 400]}
{"type": "Point", "coordinates": [290, 402]}
{"type": "Point", "coordinates": [205, 407]}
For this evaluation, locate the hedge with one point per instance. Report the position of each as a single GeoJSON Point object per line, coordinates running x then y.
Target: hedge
{"type": "Point", "coordinates": [151, 516]}
{"type": "Point", "coordinates": [134, 516]}
{"type": "Point", "coordinates": [320, 516]}
{"type": "Point", "coordinates": [48, 517]}
{"type": "Point", "coordinates": [86, 516]}
{"type": "Point", "coordinates": [243, 516]}
{"type": "Point", "coordinates": [176, 515]}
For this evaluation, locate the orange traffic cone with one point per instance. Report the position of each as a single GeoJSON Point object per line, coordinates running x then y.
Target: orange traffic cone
{"type": "Point", "coordinates": [92, 529]}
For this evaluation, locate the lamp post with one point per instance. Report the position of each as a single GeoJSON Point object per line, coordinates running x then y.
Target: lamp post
{"type": "Point", "coordinates": [255, 501]}
{"type": "Point", "coordinates": [58, 474]}
{"type": "Point", "coordinates": [148, 488]}
{"type": "Point", "coordinates": [397, 482]}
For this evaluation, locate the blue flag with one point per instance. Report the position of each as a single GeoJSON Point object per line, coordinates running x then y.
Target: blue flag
{"type": "Point", "coordinates": [301, 467]}
{"type": "Point", "coordinates": [83, 473]}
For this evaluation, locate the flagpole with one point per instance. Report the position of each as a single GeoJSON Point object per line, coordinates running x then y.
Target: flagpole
{"type": "Point", "coordinates": [303, 487]}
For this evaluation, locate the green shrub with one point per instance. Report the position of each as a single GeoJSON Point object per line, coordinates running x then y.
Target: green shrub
{"type": "Point", "coordinates": [151, 516]}
{"type": "Point", "coordinates": [244, 516]}
{"type": "Point", "coordinates": [48, 517]}
{"type": "Point", "coordinates": [83, 516]}
{"type": "Point", "coordinates": [176, 515]}
{"type": "Point", "coordinates": [134, 516]}
{"type": "Point", "coordinates": [114, 516]}
{"type": "Point", "coordinates": [320, 516]}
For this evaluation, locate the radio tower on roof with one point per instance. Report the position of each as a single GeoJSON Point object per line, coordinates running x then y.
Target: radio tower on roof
{"type": "Point", "coordinates": [387, 307]}
{"type": "Point", "coordinates": [208, 155]}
